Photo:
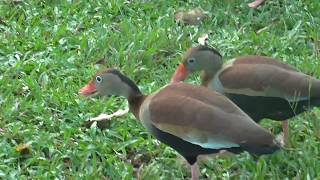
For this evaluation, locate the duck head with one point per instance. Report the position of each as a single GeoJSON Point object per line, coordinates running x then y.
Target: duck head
{"type": "Point", "coordinates": [110, 82]}
{"type": "Point", "coordinates": [200, 58]}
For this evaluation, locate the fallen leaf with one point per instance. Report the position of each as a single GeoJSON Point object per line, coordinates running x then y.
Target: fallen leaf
{"type": "Point", "coordinates": [191, 17]}
{"type": "Point", "coordinates": [202, 40]}
{"type": "Point", "coordinates": [103, 117]}
{"type": "Point", "coordinates": [255, 3]}
{"type": "Point", "coordinates": [23, 149]}
{"type": "Point", "coordinates": [102, 121]}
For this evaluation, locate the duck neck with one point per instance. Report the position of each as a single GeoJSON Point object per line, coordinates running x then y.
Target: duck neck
{"type": "Point", "coordinates": [210, 70]}
{"type": "Point", "coordinates": [129, 90]}
{"type": "Point", "coordinates": [133, 94]}
{"type": "Point", "coordinates": [135, 104]}
{"type": "Point", "coordinates": [208, 75]}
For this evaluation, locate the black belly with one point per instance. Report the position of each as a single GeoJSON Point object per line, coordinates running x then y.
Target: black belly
{"type": "Point", "coordinates": [188, 150]}
{"type": "Point", "coordinates": [279, 109]}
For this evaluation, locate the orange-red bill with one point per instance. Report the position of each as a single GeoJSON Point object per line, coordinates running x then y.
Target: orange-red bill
{"type": "Point", "coordinates": [88, 89]}
{"type": "Point", "coordinates": [180, 74]}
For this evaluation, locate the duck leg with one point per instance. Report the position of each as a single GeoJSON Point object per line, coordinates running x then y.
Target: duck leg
{"type": "Point", "coordinates": [285, 129]}
{"type": "Point", "coordinates": [255, 3]}
{"type": "Point", "coordinates": [194, 171]}
{"type": "Point", "coordinates": [282, 138]}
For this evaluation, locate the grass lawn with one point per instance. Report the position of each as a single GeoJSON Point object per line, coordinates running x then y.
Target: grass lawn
{"type": "Point", "coordinates": [49, 49]}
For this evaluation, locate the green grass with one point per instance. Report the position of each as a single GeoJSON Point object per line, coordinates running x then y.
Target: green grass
{"type": "Point", "coordinates": [48, 50]}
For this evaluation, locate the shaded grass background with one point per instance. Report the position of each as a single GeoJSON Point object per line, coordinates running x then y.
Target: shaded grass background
{"type": "Point", "coordinates": [48, 50]}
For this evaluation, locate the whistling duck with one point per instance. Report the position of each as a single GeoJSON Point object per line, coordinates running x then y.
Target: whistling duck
{"type": "Point", "coordinates": [255, 3]}
{"type": "Point", "coordinates": [191, 119]}
{"type": "Point", "coordinates": [262, 87]}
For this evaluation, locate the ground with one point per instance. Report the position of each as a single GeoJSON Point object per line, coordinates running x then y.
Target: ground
{"type": "Point", "coordinates": [49, 49]}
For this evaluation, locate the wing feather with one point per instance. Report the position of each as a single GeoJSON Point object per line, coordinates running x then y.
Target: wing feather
{"type": "Point", "coordinates": [268, 80]}
{"type": "Point", "coordinates": [205, 123]}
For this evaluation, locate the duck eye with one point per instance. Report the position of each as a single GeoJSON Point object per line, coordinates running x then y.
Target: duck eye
{"type": "Point", "coordinates": [99, 79]}
{"type": "Point", "coordinates": [191, 61]}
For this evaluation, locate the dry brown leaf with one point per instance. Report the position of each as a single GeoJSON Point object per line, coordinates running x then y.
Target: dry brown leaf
{"type": "Point", "coordinates": [255, 3]}
{"type": "Point", "coordinates": [191, 17]}
{"type": "Point", "coordinates": [23, 149]}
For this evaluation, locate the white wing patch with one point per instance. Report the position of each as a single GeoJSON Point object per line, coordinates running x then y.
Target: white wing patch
{"type": "Point", "coordinates": [196, 137]}
{"type": "Point", "coordinates": [213, 143]}
{"type": "Point", "coordinates": [216, 85]}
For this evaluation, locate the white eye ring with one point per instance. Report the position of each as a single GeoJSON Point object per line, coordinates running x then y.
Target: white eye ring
{"type": "Point", "coordinates": [191, 60]}
{"type": "Point", "coordinates": [99, 79]}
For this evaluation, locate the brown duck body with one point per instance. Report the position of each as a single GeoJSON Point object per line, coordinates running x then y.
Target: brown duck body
{"type": "Point", "coordinates": [194, 120]}
{"type": "Point", "coordinates": [262, 87]}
